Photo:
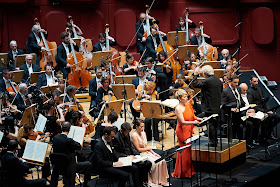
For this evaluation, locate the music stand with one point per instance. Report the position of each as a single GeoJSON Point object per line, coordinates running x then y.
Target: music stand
{"type": "Point", "coordinates": [152, 109]}
{"type": "Point", "coordinates": [219, 73]}
{"type": "Point", "coordinates": [28, 115]}
{"type": "Point", "coordinates": [214, 64]}
{"type": "Point", "coordinates": [48, 89]}
{"type": "Point", "coordinates": [17, 75]}
{"type": "Point", "coordinates": [97, 56]}
{"type": "Point", "coordinates": [175, 38]}
{"type": "Point", "coordinates": [124, 79]}
{"type": "Point", "coordinates": [185, 51]}
{"type": "Point", "coordinates": [34, 76]}
{"type": "Point", "coordinates": [3, 56]}
{"type": "Point", "coordinates": [114, 106]}
{"type": "Point", "coordinates": [20, 60]}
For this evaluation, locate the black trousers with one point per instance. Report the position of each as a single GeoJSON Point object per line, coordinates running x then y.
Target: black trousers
{"type": "Point", "coordinates": [212, 127]}
{"type": "Point", "coordinates": [65, 71]}
{"type": "Point", "coordinates": [149, 126]}
{"type": "Point", "coordinates": [140, 46]}
{"type": "Point", "coordinates": [133, 111]}
{"type": "Point", "coordinates": [144, 168]}
{"type": "Point", "coordinates": [35, 183]}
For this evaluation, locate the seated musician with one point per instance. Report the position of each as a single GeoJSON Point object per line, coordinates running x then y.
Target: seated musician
{"type": "Point", "coordinates": [222, 58]}
{"type": "Point", "coordinates": [228, 72]}
{"type": "Point", "coordinates": [71, 91]}
{"type": "Point", "coordinates": [197, 38]}
{"type": "Point", "coordinates": [33, 41]}
{"type": "Point", "coordinates": [141, 28]}
{"type": "Point", "coordinates": [188, 65]}
{"type": "Point", "coordinates": [15, 169]}
{"type": "Point", "coordinates": [131, 66]}
{"type": "Point", "coordinates": [111, 119]}
{"type": "Point", "coordinates": [67, 146]}
{"type": "Point", "coordinates": [63, 50]}
{"type": "Point", "coordinates": [101, 44]}
{"type": "Point", "coordinates": [106, 70]}
{"type": "Point", "coordinates": [152, 42]}
{"type": "Point", "coordinates": [180, 82]}
{"type": "Point", "coordinates": [104, 90]}
{"type": "Point", "coordinates": [94, 84]}
{"type": "Point", "coordinates": [47, 78]}
{"type": "Point", "coordinates": [61, 88]}
{"type": "Point", "coordinates": [167, 69]}
{"type": "Point", "coordinates": [12, 55]}
{"type": "Point", "coordinates": [7, 82]}
{"type": "Point", "coordinates": [182, 24]}
{"type": "Point", "coordinates": [105, 161]}
{"type": "Point", "coordinates": [28, 68]}
{"type": "Point", "coordinates": [23, 99]}
{"type": "Point", "coordinates": [124, 147]}
{"type": "Point", "coordinates": [231, 61]}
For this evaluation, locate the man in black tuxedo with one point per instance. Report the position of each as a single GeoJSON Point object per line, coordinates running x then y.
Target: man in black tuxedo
{"type": "Point", "coordinates": [152, 42]}
{"type": "Point", "coordinates": [5, 82]}
{"type": "Point", "coordinates": [34, 38]}
{"type": "Point", "coordinates": [182, 24]}
{"type": "Point", "coordinates": [232, 95]}
{"type": "Point", "coordinates": [63, 144]}
{"type": "Point", "coordinates": [94, 84]}
{"type": "Point", "coordinates": [14, 169]}
{"type": "Point", "coordinates": [63, 50]}
{"type": "Point", "coordinates": [211, 90]}
{"type": "Point", "coordinates": [101, 44]}
{"type": "Point", "coordinates": [124, 147]}
{"type": "Point", "coordinates": [141, 28]}
{"type": "Point", "coordinates": [197, 38]}
{"type": "Point", "coordinates": [28, 68]}
{"type": "Point", "coordinates": [105, 160]}
{"type": "Point", "coordinates": [22, 97]}
{"type": "Point", "coordinates": [12, 55]}
{"type": "Point", "coordinates": [47, 78]}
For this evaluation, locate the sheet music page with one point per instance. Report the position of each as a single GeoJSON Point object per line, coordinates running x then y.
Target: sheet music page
{"type": "Point", "coordinates": [41, 123]}
{"type": "Point", "coordinates": [1, 136]}
{"type": "Point", "coordinates": [244, 108]}
{"type": "Point", "coordinates": [139, 158]}
{"type": "Point", "coordinates": [35, 151]}
{"type": "Point", "coordinates": [127, 161]}
{"type": "Point", "coordinates": [213, 115]}
{"type": "Point", "coordinates": [259, 115]}
{"type": "Point", "coordinates": [77, 134]}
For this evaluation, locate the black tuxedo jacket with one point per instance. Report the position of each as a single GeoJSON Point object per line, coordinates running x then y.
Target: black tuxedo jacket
{"type": "Point", "coordinates": [121, 149]}
{"type": "Point", "coordinates": [140, 32]}
{"type": "Point", "coordinates": [32, 45]}
{"type": "Point", "coordinates": [25, 76]}
{"type": "Point", "coordinates": [2, 85]}
{"type": "Point", "coordinates": [191, 25]}
{"type": "Point", "coordinates": [42, 81]}
{"type": "Point", "coordinates": [19, 102]}
{"type": "Point", "coordinates": [211, 90]}
{"type": "Point", "coordinates": [10, 58]}
{"type": "Point", "coordinates": [61, 55]}
{"type": "Point", "coordinates": [255, 96]}
{"type": "Point", "coordinates": [93, 88]}
{"type": "Point", "coordinates": [150, 46]}
{"type": "Point", "coordinates": [97, 46]}
{"type": "Point", "coordinates": [195, 42]}
{"type": "Point", "coordinates": [135, 81]}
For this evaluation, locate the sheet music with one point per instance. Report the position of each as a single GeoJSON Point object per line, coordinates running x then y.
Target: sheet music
{"type": "Point", "coordinates": [244, 108]}
{"type": "Point", "coordinates": [77, 134]}
{"type": "Point", "coordinates": [203, 121]}
{"type": "Point", "coordinates": [41, 123]}
{"type": "Point", "coordinates": [193, 138]}
{"type": "Point", "coordinates": [127, 161]}
{"type": "Point", "coordinates": [35, 151]}
{"type": "Point", "coordinates": [139, 158]}
{"type": "Point", "coordinates": [1, 135]}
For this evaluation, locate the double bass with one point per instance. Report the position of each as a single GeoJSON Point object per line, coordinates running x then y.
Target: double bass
{"type": "Point", "coordinates": [148, 31]}
{"type": "Point", "coordinates": [79, 76]}
{"type": "Point", "coordinates": [189, 33]}
{"type": "Point", "coordinates": [47, 56]}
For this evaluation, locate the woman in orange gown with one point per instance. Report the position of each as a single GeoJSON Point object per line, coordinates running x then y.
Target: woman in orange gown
{"type": "Point", "coordinates": [185, 123]}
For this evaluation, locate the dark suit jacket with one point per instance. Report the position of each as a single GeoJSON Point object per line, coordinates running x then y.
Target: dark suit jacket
{"type": "Point", "coordinates": [14, 170]}
{"type": "Point", "coordinates": [32, 45]}
{"type": "Point", "coordinates": [11, 60]}
{"type": "Point", "coordinates": [102, 157]}
{"type": "Point", "coordinates": [2, 85]}
{"type": "Point", "coordinates": [121, 149]}
{"type": "Point", "coordinates": [150, 47]}
{"type": "Point", "coordinates": [191, 25]}
{"type": "Point", "coordinates": [195, 42]}
{"type": "Point", "coordinates": [255, 96]}
{"type": "Point", "coordinates": [211, 89]}
{"type": "Point", "coordinates": [93, 88]}
{"type": "Point", "coordinates": [20, 103]}
{"type": "Point", "coordinates": [97, 46]}
{"type": "Point", "coordinates": [140, 32]}
{"type": "Point", "coordinates": [25, 76]}
{"type": "Point", "coordinates": [42, 81]}
{"type": "Point", "coordinates": [135, 81]}
{"type": "Point", "coordinates": [61, 55]}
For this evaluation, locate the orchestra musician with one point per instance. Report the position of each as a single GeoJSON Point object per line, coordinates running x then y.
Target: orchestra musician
{"type": "Point", "coordinates": [104, 90]}
{"type": "Point", "coordinates": [61, 87]}
{"type": "Point", "coordinates": [28, 67]}
{"type": "Point", "coordinates": [111, 119]}
{"type": "Point", "coordinates": [141, 28]}
{"type": "Point", "coordinates": [167, 69]}
{"type": "Point", "coordinates": [222, 58]}
{"type": "Point", "coordinates": [131, 66]}
{"type": "Point", "coordinates": [22, 100]}
{"type": "Point", "coordinates": [70, 26]}
{"type": "Point", "coordinates": [33, 41]}
{"type": "Point", "coordinates": [47, 78]}
{"type": "Point", "coordinates": [182, 24]}
{"type": "Point", "coordinates": [101, 44]}
{"type": "Point", "coordinates": [12, 55]}
{"type": "Point", "coordinates": [197, 38]}
{"type": "Point", "coordinates": [6, 82]}
{"type": "Point", "coordinates": [211, 89]}
{"type": "Point", "coordinates": [105, 160]}
{"type": "Point", "coordinates": [63, 51]}
{"type": "Point", "coordinates": [94, 85]}
{"type": "Point", "coordinates": [180, 82]}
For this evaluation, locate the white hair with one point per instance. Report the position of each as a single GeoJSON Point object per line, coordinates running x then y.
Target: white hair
{"type": "Point", "coordinates": [207, 70]}
{"type": "Point", "coordinates": [34, 28]}
{"type": "Point", "coordinates": [225, 50]}
{"type": "Point", "coordinates": [21, 86]}
{"type": "Point", "coordinates": [13, 42]}
{"type": "Point", "coordinates": [27, 56]}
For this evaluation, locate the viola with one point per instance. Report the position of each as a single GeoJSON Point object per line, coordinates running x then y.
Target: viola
{"type": "Point", "coordinates": [136, 103]}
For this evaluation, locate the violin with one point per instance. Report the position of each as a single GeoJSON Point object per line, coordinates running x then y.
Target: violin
{"type": "Point", "coordinates": [34, 135]}
{"type": "Point", "coordinates": [47, 56]}
{"type": "Point", "coordinates": [136, 103]}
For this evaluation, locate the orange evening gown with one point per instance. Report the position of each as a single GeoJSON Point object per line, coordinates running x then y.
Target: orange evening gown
{"type": "Point", "coordinates": [184, 132]}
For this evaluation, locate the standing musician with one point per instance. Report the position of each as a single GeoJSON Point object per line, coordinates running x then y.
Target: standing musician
{"type": "Point", "coordinates": [69, 27]}
{"type": "Point", "coordinates": [182, 24]}
{"type": "Point", "coordinates": [47, 78]}
{"type": "Point", "coordinates": [12, 55]}
{"type": "Point", "coordinates": [34, 38]}
{"type": "Point", "coordinates": [152, 42]}
{"type": "Point", "coordinates": [28, 68]}
{"type": "Point", "coordinates": [131, 66]}
{"type": "Point", "coordinates": [101, 44]}
{"type": "Point", "coordinates": [197, 38]}
{"type": "Point", "coordinates": [104, 90]}
{"type": "Point", "coordinates": [167, 69]}
{"type": "Point", "coordinates": [141, 28]}
{"type": "Point", "coordinates": [211, 90]}
{"type": "Point", "coordinates": [6, 82]}
{"type": "Point", "coordinates": [63, 50]}
{"type": "Point", "coordinates": [94, 84]}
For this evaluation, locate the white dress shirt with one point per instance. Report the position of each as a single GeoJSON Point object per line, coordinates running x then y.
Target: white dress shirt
{"type": "Point", "coordinates": [66, 48]}
{"type": "Point", "coordinates": [107, 145]}
{"type": "Point", "coordinates": [29, 68]}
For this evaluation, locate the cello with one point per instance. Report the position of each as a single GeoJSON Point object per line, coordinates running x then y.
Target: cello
{"type": "Point", "coordinates": [78, 75]}
{"type": "Point", "coordinates": [115, 53]}
{"type": "Point", "coordinates": [47, 56]}
{"type": "Point", "coordinates": [208, 52]}
{"type": "Point", "coordinates": [168, 49]}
